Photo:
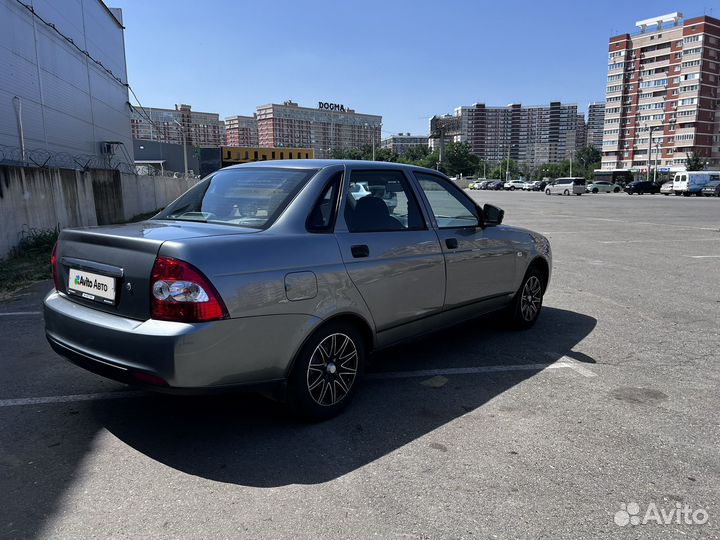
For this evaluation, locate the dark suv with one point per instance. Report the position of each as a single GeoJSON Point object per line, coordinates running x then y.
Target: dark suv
{"type": "Point", "coordinates": [639, 187]}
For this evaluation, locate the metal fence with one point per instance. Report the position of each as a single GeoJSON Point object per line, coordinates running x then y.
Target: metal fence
{"type": "Point", "coordinates": [15, 156]}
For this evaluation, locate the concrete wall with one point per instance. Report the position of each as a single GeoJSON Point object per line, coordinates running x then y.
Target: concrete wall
{"type": "Point", "coordinates": [46, 198]}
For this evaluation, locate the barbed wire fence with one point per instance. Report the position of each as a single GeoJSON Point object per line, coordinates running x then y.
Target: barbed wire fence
{"type": "Point", "coordinates": [43, 159]}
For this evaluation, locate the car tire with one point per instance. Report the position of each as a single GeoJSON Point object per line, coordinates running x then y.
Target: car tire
{"type": "Point", "coordinates": [512, 188]}
{"type": "Point", "coordinates": [566, 192]}
{"type": "Point", "coordinates": [616, 190]}
{"type": "Point", "coordinates": [523, 311]}
{"type": "Point", "coordinates": [548, 192]}
{"type": "Point", "coordinates": [326, 373]}
{"type": "Point", "coordinates": [595, 190]}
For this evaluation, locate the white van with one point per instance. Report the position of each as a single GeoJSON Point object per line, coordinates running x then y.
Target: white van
{"type": "Point", "coordinates": [691, 182]}
{"type": "Point", "coordinates": [566, 186]}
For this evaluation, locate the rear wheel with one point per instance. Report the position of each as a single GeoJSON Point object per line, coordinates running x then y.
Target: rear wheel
{"type": "Point", "coordinates": [616, 190]}
{"type": "Point", "coordinates": [526, 306]}
{"type": "Point", "coordinates": [326, 372]}
{"type": "Point", "coordinates": [566, 192]}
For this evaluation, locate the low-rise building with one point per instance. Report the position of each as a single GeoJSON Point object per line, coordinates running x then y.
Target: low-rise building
{"type": "Point", "coordinates": [401, 142]}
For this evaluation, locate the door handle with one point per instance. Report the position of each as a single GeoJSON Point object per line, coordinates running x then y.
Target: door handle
{"type": "Point", "coordinates": [360, 251]}
{"type": "Point", "coordinates": [451, 243]}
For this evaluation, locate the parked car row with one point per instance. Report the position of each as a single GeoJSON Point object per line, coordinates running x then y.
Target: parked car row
{"type": "Point", "coordinates": [487, 184]}
{"type": "Point", "coordinates": [698, 183]}
{"type": "Point", "coordinates": [512, 185]}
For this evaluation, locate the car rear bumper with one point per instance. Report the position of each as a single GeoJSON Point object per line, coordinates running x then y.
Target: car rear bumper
{"type": "Point", "coordinates": [176, 356]}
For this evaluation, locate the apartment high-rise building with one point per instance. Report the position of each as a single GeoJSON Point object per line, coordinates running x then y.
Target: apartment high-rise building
{"type": "Point", "coordinates": [662, 95]}
{"type": "Point", "coordinates": [328, 127]}
{"type": "Point", "coordinates": [595, 124]}
{"type": "Point", "coordinates": [401, 142]}
{"type": "Point", "coordinates": [580, 132]}
{"type": "Point", "coordinates": [528, 134]}
{"type": "Point", "coordinates": [241, 130]}
{"type": "Point", "coordinates": [172, 125]}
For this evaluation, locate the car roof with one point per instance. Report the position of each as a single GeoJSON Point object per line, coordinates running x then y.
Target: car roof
{"type": "Point", "coordinates": [322, 163]}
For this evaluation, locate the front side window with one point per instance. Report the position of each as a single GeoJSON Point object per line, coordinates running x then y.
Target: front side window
{"type": "Point", "coordinates": [381, 201]}
{"type": "Point", "coordinates": [245, 197]}
{"type": "Point", "coordinates": [450, 207]}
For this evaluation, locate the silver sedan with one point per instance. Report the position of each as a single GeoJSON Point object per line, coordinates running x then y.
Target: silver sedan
{"type": "Point", "coordinates": [274, 276]}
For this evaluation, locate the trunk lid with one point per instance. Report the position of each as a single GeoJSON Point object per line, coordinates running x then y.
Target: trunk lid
{"type": "Point", "coordinates": [121, 257]}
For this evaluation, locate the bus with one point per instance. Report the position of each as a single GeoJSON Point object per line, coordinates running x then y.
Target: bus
{"type": "Point", "coordinates": [614, 176]}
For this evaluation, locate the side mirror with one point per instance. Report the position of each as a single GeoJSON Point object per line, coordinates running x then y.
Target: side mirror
{"type": "Point", "coordinates": [493, 214]}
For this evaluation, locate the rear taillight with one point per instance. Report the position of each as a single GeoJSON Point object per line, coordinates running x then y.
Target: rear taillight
{"type": "Point", "coordinates": [53, 262]}
{"type": "Point", "coordinates": [181, 293]}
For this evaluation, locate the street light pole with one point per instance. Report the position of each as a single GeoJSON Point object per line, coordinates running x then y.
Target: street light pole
{"type": "Point", "coordinates": [182, 134]}
{"type": "Point", "coordinates": [507, 165]}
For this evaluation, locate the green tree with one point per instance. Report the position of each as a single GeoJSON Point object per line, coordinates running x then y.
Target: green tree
{"type": "Point", "coordinates": [459, 160]}
{"type": "Point", "coordinates": [415, 154]}
{"type": "Point", "coordinates": [588, 158]}
{"type": "Point", "coordinates": [694, 163]}
{"type": "Point", "coordinates": [500, 170]}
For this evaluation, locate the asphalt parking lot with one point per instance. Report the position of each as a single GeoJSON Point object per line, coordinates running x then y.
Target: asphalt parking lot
{"type": "Point", "coordinates": [475, 432]}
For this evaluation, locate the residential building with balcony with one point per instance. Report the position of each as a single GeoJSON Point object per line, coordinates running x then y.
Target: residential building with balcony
{"type": "Point", "coordinates": [662, 95]}
{"type": "Point", "coordinates": [528, 134]}
{"type": "Point", "coordinates": [177, 125]}
{"type": "Point", "coordinates": [241, 130]}
{"type": "Point", "coordinates": [595, 124]}
{"type": "Point", "coordinates": [326, 128]}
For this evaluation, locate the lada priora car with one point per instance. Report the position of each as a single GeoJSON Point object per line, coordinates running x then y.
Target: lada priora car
{"type": "Point", "coordinates": [278, 276]}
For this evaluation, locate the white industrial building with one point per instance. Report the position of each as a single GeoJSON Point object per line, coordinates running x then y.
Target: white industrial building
{"type": "Point", "coordinates": [63, 81]}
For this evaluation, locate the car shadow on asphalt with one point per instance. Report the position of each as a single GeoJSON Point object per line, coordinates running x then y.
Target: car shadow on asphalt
{"type": "Point", "coordinates": [248, 440]}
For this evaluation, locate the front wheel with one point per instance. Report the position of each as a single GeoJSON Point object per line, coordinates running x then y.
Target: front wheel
{"type": "Point", "coordinates": [547, 191]}
{"type": "Point", "coordinates": [526, 305]}
{"type": "Point", "coordinates": [326, 372]}
{"type": "Point", "coordinates": [512, 188]}
{"type": "Point", "coordinates": [595, 190]}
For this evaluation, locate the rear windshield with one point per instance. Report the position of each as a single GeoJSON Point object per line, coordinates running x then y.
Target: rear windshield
{"type": "Point", "coordinates": [246, 197]}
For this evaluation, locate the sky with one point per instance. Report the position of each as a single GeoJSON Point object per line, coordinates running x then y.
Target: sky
{"type": "Point", "coordinates": [403, 59]}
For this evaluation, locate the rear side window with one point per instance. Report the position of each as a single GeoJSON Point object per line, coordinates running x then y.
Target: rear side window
{"type": "Point", "coordinates": [381, 201]}
{"type": "Point", "coordinates": [322, 216]}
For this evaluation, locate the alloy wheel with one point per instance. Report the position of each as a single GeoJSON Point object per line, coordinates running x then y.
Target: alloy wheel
{"type": "Point", "coordinates": [531, 298]}
{"type": "Point", "coordinates": [332, 369]}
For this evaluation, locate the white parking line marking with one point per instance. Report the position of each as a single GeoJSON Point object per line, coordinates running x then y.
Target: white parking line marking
{"type": "Point", "coordinates": [470, 370]}
{"type": "Point", "coordinates": [566, 362]}
{"type": "Point", "coordinates": [662, 241]}
{"type": "Point", "coordinates": [703, 256]}
{"type": "Point", "coordinates": [20, 313]}
{"type": "Point", "coordinates": [70, 398]}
